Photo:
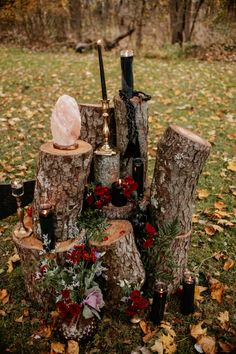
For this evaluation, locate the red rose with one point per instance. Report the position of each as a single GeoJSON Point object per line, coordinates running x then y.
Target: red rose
{"type": "Point", "coordinates": [90, 199]}
{"type": "Point", "coordinates": [150, 229]}
{"type": "Point", "coordinates": [65, 294]}
{"type": "Point", "coordinates": [142, 303]}
{"type": "Point", "coordinates": [74, 309]}
{"type": "Point", "coordinates": [30, 212]}
{"type": "Point", "coordinates": [131, 310]}
{"type": "Point", "coordinates": [135, 295]}
{"type": "Point", "coordinates": [148, 243]}
{"type": "Point", "coordinates": [98, 204]}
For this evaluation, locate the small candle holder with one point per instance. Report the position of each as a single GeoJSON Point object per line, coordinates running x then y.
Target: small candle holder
{"type": "Point", "coordinates": [17, 190]}
{"type": "Point", "coordinates": [187, 305]}
{"type": "Point", "coordinates": [105, 148]}
{"type": "Point", "coordinates": [159, 301]}
{"type": "Point", "coordinates": [117, 197]}
{"type": "Point", "coordinates": [138, 171]}
{"type": "Point", "coordinates": [46, 224]}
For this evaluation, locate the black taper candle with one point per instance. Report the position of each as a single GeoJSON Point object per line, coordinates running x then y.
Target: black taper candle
{"type": "Point", "coordinates": [138, 171]}
{"type": "Point", "coordinates": [187, 305]}
{"type": "Point", "coordinates": [102, 73]}
{"type": "Point", "coordinates": [47, 228]}
{"type": "Point", "coordinates": [159, 301]}
{"type": "Point", "coordinates": [117, 197]}
{"type": "Point", "coordinates": [127, 81]}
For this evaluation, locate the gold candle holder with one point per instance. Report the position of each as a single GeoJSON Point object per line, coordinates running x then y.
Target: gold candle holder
{"type": "Point", "coordinates": [17, 188]}
{"type": "Point", "coordinates": [105, 148]}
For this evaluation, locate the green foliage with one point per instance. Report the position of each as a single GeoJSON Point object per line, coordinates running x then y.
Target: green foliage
{"type": "Point", "coordinates": [94, 224]}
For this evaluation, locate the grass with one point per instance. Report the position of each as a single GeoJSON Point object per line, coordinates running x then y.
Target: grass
{"type": "Point", "coordinates": [195, 94]}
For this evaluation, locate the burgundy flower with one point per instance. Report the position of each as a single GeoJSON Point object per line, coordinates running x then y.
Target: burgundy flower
{"type": "Point", "coordinates": [65, 294]}
{"type": "Point", "coordinates": [98, 204]}
{"type": "Point", "coordinates": [90, 199]}
{"type": "Point", "coordinates": [74, 309]}
{"type": "Point", "coordinates": [131, 310]}
{"type": "Point", "coordinates": [135, 295]}
{"type": "Point", "coordinates": [148, 243]}
{"type": "Point", "coordinates": [62, 308]}
{"type": "Point", "coordinates": [30, 212]}
{"type": "Point", "coordinates": [150, 229]}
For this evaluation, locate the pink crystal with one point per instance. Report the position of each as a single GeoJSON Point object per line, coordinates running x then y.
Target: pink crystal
{"type": "Point", "coordinates": [65, 122]}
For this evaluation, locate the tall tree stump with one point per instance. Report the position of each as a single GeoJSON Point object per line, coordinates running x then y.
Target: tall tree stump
{"type": "Point", "coordinates": [106, 169]}
{"type": "Point", "coordinates": [30, 250]}
{"type": "Point", "coordinates": [121, 259]}
{"type": "Point", "coordinates": [62, 175]}
{"type": "Point", "coordinates": [141, 118]}
{"type": "Point", "coordinates": [180, 158]}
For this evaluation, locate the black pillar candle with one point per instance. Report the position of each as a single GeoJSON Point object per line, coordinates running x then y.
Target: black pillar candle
{"type": "Point", "coordinates": [187, 305]}
{"type": "Point", "coordinates": [159, 301]}
{"type": "Point", "coordinates": [127, 81]}
{"type": "Point", "coordinates": [138, 171]}
{"type": "Point", "coordinates": [47, 229]}
{"type": "Point", "coordinates": [117, 197]}
{"type": "Point", "coordinates": [102, 73]}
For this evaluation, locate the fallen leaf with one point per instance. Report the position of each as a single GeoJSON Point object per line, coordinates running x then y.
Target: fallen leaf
{"type": "Point", "coordinates": [224, 222]}
{"type": "Point", "coordinates": [228, 264]}
{"type": "Point", "coordinates": [224, 320]}
{"type": "Point", "coordinates": [44, 331]}
{"type": "Point", "coordinates": [168, 328]}
{"type": "Point", "coordinates": [212, 229]}
{"type": "Point", "coordinates": [219, 205]}
{"type": "Point", "coordinates": [196, 330]}
{"type": "Point", "coordinates": [72, 347]}
{"type": "Point", "coordinates": [202, 193]}
{"type": "Point", "coordinates": [226, 347]}
{"type": "Point", "coordinates": [157, 347]}
{"type": "Point", "coordinates": [218, 255]}
{"type": "Point", "coordinates": [218, 214]}
{"type": "Point", "coordinates": [13, 259]}
{"type": "Point", "coordinates": [19, 319]}
{"type": "Point", "coordinates": [208, 344]}
{"type": "Point", "coordinates": [57, 347]}
{"type": "Point", "coordinates": [168, 343]}
{"type": "Point", "coordinates": [3, 313]}
{"type": "Point", "coordinates": [4, 297]}
{"type": "Point", "coordinates": [232, 166]}
{"type": "Point", "coordinates": [197, 293]}
{"type": "Point", "coordinates": [217, 290]}
{"type": "Point", "coordinates": [148, 336]}
{"type": "Point", "coordinates": [145, 327]}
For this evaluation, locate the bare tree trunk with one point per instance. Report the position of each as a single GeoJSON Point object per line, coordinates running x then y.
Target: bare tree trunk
{"type": "Point", "coordinates": [139, 26]}
{"type": "Point", "coordinates": [75, 10]}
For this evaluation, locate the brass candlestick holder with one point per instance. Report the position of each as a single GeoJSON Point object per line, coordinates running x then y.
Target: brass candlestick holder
{"type": "Point", "coordinates": [105, 148]}
{"type": "Point", "coordinates": [17, 188]}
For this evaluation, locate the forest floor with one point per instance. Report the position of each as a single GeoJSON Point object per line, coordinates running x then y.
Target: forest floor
{"type": "Point", "coordinates": [199, 95]}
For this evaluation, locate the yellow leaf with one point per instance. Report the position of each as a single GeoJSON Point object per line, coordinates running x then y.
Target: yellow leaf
{"type": "Point", "coordinates": [144, 327]}
{"type": "Point", "coordinates": [224, 222]}
{"type": "Point", "coordinates": [208, 344]}
{"type": "Point", "coordinates": [45, 331]}
{"type": "Point", "coordinates": [210, 230]}
{"type": "Point", "coordinates": [157, 347]}
{"type": "Point", "coordinates": [232, 166]}
{"type": "Point", "coordinates": [57, 348]}
{"type": "Point", "coordinates": [202, 193]}
{"type": "Point", "coordinates": [224, 320]}
{"type": "Point", "coordinates": [219, 205]}
{"type": "Point", "coordinates": [167, 327]}
{"type": "Point", "coordinates": [148, 336]}
{"type": "Point", "coordinates": [4, 297]}
{"type": "Point", "coordinates": [197, 293]}
{"type": "Point", "coordinates": [217, 290]}
{"type": "Point", "coordinates": [19, 319]}
{"type": "Point", "coordinates": [221, 213]}
{"type": "Point", "coordinates": [218, 255]}
{"type": "Point", "coordinates": [13, 259]}
{"type": "Point", "coordinates": [168, 343]}
{"type": "Point", "coordinates": [72, 347]}
{"type": "Point", "coordinates": [228, 264]}
{"type": "Point", "coordinates": [196, 330]}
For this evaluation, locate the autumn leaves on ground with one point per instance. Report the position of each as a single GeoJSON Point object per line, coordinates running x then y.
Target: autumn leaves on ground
{"type": "Point", "coordinates": [199, 95]}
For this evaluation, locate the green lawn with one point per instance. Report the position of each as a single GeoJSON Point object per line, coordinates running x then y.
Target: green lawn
{"type": "Point", "coordinates": [195, 94]}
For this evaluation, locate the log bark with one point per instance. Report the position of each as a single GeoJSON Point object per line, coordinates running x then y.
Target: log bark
{"type": "Point", "coordinates": [62, 175]}
{"type": "Point", "coordinates": [121, 259]}
{"type": "Point", "coordinates": [92, 124]}
{"type": "Point", "coordinates": [112, 212]}
{"type": "Point", "coordinates": [30, 250]}
{"type": "Point", "coordinates": [106, 169]}
{"type": "Point", "coordinates": [141, 117]}
{"type": "Point", "coordinates": [181, 155]}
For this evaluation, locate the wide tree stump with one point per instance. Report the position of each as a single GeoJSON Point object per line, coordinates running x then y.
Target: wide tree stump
{"type": "Point", "coordinates": [121, 259]}
{"type": "Point", "coordinates": [141, 118]}
{"type": "Point", "coordinates": [30, 250]}
{"type": "Point", "coordinates": [181, 155]}
{"type": "Point", "coordinates": [92, 124]}
{"type": "Point", "coordinates": [62, 176]}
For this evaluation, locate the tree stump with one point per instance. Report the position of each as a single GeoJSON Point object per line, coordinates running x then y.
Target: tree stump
{"type": "Point", "coordinates": [62, 175]}
{"type": "Point", "coordinates": [106, 169]}
{"type": "Point", "coordinates": [141, 117]}
{"type": "Point", "coordinates": [121, 259]}
{"type": "Point", "coordinates": [30, 250]}
{"type": "Point", "coordinates": [113, 212]}
{"type": "Point", "coordinates": [180, 158]}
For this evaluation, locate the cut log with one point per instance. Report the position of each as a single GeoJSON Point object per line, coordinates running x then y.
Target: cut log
{"type": "Point", "coordinates": [181, 155]}
{"type": "Point", "coordinates": [92, 125]}
{"type": "Point", "coordinates": [62, 176]}
{"type": "Point", "coordinates": [106, 169]}
{"type": "Point", "coordinates": [30, 250]}
{"type": "Point", "coordinates": [121, 259]}
{"type": "Point", "coordinates": [112, 212]}
{"type": "Point", "coordinates": [141, 117]}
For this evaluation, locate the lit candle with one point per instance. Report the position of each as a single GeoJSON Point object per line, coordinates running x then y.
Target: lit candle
{"type": "Point", "coordinates": [187, 305]}
{"type": "Point", "coordinates": [117, 197]}
{"type": "Point", "coordinates": [17, 188]}
{"type": "Point", "coordinates": [159, 301]}
{"type": "Point", "coordinates": [127, 81]}
{"type": "Point", "coordinates": [138, 174]}
{"type": "Point", "coordinates": [47, 228]}
{"type": "Point", "coordinates": [102, 74]}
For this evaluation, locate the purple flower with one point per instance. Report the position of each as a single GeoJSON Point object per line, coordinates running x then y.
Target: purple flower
{"type": "Point", "coordinates": [94, 298]}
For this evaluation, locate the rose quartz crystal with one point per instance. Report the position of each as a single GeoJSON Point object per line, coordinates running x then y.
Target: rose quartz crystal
{"type": "Point", "coordinates": [65, 122]}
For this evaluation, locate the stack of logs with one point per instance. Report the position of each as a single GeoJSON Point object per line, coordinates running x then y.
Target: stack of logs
{"type": "Point", "coordinates": [180, 158]}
